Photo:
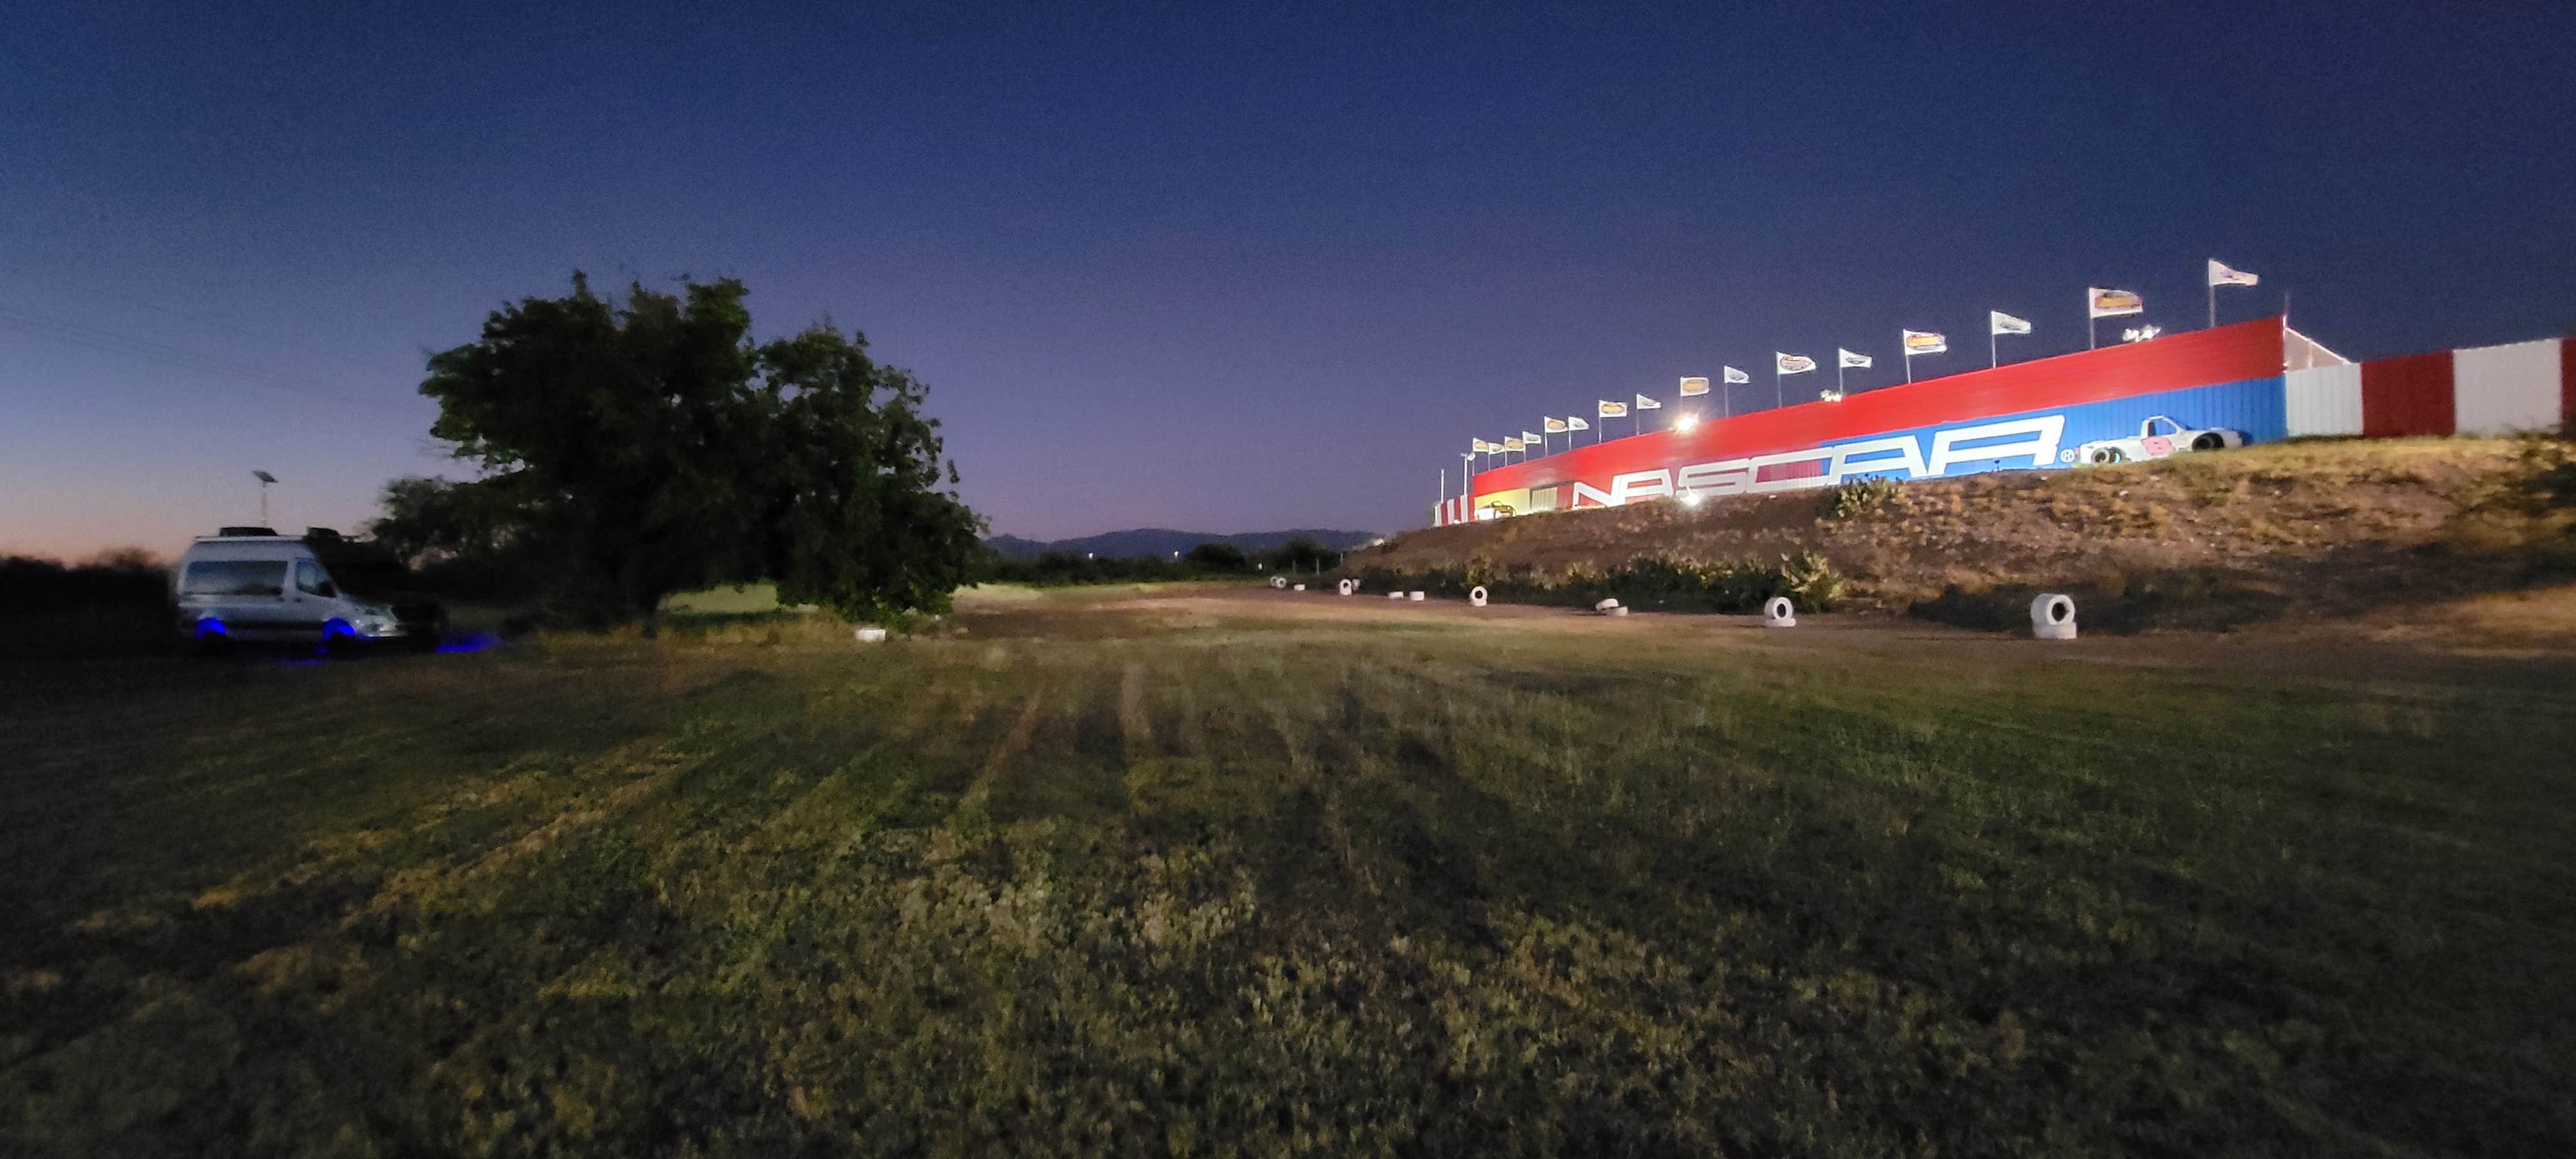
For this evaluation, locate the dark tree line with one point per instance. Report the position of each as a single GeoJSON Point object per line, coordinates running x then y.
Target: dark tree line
{"type": "Point", "coordinates": [631, 449]}
{"type": "Point", "coordinates": [1213, 560]}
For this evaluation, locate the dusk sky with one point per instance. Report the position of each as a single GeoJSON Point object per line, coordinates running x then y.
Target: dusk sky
{"type": "Point", "coordinates": [1224, 268]}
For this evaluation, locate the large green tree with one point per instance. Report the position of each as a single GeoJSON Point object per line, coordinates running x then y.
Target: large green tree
{"type": "Point", "coordinates": [650, 445]}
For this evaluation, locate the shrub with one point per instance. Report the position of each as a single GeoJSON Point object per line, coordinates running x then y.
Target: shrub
{"type": "Point", "coordinates": [1857, 497]}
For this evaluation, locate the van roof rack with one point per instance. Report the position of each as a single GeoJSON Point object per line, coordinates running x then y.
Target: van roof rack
{"type": "Point", "coordinates": [234, 532]}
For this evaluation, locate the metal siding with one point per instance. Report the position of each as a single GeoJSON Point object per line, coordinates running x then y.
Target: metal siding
{"type": "Point", "coordinates": [2235, 353]}
{"type": "Point", "coordinates": [2255, 407]}
{"type": "Point", "coordinates": [2501, 390]}
{"type": "Point", "coordinates": [2407, 396]}
{"type": "Point", "coordinates": [2323, 401]}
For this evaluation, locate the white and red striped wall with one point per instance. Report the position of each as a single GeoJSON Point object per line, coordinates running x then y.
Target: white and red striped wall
{"type": "Point", "coordinates": [2485, 390]}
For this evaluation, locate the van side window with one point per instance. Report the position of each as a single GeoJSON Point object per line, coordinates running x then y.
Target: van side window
{"type": "Point", "coordinates": [235, 577]}
{"type": "Point", "coordinates": [308, 578]}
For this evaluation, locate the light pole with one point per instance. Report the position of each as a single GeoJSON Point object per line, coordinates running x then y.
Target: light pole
{"type": "Point", "coordinates": [264, 480]}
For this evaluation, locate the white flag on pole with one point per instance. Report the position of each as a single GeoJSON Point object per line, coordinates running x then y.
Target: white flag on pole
{"type": "Point", "coordinates": [1733, 375]}
{"type": "Point", "coordinates": [1577, 423]}
{"type": "Point", "coordinates": [2113, 303]}
{"type": "Point", "coordinates": [1612, 410]}
{"type": "Point", "coordinates": [1528, 439]}
{"type": "Point", "coordinates": [1851, 359]}
{"type": "Point", "coordinates": [1694, 386]}
{"type": "Point", "coordinates": [1924, 342]}
{"type": "Point", "coordinates": [2220, 275]}
{"type": "Point", "coordinates": [1998, 322]}
{"type": "Point", "coordinates": [1792, 363]}
{"type": "Point", "coordinates": [1644, 403]}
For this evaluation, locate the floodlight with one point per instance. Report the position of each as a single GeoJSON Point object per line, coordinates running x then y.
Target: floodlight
{"type": "Point", "coordinates": [1684, 423]}
{"type": "Point", "coordinates": [263, 476]}
{"type": "Point", "coordinates": [1690, 498]}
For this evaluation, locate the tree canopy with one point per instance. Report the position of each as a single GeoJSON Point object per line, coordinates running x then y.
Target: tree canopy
{"type": "Point", "coordinates": [636, 448]}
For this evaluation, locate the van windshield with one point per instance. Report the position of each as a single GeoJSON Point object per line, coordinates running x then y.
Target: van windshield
{"type": "Point", "coordinates": [235, 577]}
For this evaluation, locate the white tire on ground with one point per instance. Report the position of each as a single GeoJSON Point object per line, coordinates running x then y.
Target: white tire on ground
{"type": "Point", "coordinates": [1416, 597]}
{"type": "Point", "coordinates": [1296, 587]}
{"type": "Point", "coordinates": [1349, 587]}
{"type": "Point", "coordinates": [2052, 617]}
{"type": "Point", "coordinates": [1779, 613]}
{"type": "Point", "coordinates": [1605, 605]}
{"type": "Point", "coordinates": [1279, 582]}
{"type": "Point", "coordinates": [1477, 596]}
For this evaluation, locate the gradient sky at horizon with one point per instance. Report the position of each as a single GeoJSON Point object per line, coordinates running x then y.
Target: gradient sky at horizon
{"type": "Point", "coordinates": [1223, 268]}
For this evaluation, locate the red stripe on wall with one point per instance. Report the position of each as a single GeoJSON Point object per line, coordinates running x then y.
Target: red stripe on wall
{"type": "Point", "coordinates": [2411, 395]}
{"type": "Point", "coordinates": [2175, 362]}
{"type": "Point", "coordinates": [1797, 469]}
{"type": "Point", "coordinates": [2567, 384]}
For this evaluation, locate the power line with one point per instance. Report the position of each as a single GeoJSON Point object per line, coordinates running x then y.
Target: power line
{"type": "Point", "coordinates": [83, 334]}
{"type": "Point", "coordinates": [53, 283]}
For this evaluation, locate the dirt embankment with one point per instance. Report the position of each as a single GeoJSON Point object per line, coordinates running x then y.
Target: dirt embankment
{"type": "Point", "coordinates": [2291, 530]}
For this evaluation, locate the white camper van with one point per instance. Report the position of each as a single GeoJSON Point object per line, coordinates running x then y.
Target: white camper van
{"type": "Point", "coordinates": [252, 588]}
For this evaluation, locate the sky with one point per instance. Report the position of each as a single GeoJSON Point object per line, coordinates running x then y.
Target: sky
{"type": "Point", "coordinates": [1208, 266]}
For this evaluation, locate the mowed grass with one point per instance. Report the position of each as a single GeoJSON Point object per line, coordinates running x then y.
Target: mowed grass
{"type": "Point", "coordinates": [1090, 879]}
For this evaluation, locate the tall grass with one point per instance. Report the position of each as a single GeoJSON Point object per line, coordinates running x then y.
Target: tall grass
{"type": "Point", "coordinates": [1270, 891]}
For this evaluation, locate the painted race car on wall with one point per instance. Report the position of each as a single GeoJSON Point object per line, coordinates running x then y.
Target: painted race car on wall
{"type": "Point", "coordinates": [2158, 437]}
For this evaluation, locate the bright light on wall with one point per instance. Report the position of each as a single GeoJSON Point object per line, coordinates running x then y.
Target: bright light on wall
{"type": "Point", "coordinates": [1684, 423]}
{"type": "Point", "coordinates": [1690, 498]}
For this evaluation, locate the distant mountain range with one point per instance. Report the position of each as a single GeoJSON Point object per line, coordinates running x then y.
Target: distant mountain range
{"type": "Point", "coordinates": [1162, 542]}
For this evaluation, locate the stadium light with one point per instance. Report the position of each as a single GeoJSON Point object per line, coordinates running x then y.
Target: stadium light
{"type": "Point", "coordinates": [1830, 395]}
{"type": "Point", "coordinates": [1690, 498]}
{"type": "Point", "coordinates": [264, 480]}
{"type": "Point", "coordinates": [1684, 422]}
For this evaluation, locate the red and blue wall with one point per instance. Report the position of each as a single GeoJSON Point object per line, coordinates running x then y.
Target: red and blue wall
{"type": "Point", "coordinates": [2048, 414]}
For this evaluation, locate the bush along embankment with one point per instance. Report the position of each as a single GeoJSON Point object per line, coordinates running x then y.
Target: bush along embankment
{"type": "Point", "coordinates": [1652, 583]}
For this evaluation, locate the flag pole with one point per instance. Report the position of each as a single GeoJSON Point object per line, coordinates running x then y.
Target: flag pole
{"type": "Point", "coordinates": [1991, 363]}
{"type": "Point", "coordinates": [1909, 366]}
{"type": "Point", "coordinates": [2213, 304]}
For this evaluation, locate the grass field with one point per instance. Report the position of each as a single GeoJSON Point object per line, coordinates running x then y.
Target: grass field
{"type": "Point", "coordinates": [1102, 873]}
